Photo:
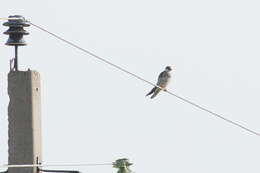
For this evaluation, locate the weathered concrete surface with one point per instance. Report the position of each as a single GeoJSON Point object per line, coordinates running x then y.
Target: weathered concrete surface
{"type": "Point", "coordinates": [24, 117]}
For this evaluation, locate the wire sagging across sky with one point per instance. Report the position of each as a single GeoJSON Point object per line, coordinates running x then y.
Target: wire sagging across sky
{"type": "Point", "coordinates": [144, 80]}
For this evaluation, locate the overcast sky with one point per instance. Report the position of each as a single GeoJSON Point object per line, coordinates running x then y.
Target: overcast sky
{"type": "Point", "coordinates": [93, 113]}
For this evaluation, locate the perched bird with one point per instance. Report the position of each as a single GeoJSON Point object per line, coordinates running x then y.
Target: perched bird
{"type": "Point", "coordinates": [163, 81]}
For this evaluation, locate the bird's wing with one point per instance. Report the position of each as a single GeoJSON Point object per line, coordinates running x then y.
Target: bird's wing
{"type": "Point", "coordinates": [163, 79]}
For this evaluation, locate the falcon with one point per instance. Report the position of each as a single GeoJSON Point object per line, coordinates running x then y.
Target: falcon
{"type": "Point", "coordinates": [163, 81]}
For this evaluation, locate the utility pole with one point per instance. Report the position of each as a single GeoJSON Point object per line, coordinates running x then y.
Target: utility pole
{"type": "Point", "coordinates": [24, 109]}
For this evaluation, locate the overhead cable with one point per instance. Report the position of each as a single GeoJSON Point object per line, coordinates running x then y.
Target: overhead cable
{"type": "Point", "coordinates": [150, 83]}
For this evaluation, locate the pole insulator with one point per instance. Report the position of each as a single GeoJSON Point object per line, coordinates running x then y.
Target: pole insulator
{"type": "Point", "coordinates": [16, 32]}
{"type": "Point", "coordinates": [122, 165]}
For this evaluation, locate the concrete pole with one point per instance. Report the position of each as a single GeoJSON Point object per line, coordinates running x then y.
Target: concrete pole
{"type": "Point", "coordinates": [24, 117]}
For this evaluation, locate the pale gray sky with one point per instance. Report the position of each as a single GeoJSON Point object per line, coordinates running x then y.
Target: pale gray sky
{"type": "Point", "coordinates": [93, 113]}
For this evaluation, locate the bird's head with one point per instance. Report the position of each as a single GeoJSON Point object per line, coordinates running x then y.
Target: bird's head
{"type": "Point", "coordinates": [168, 68]}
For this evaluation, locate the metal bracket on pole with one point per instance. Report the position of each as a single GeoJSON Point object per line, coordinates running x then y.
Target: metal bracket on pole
{"type": "Point", "coordinates": [63, 171]}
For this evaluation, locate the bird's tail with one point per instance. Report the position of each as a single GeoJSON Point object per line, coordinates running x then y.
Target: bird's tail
{"type": "Point", "coordinates": [157, 90]}
{"type": "Point", "coordinates": [151, 91]}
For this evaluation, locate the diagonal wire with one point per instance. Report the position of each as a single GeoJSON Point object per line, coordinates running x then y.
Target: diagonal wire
{"type": "Point", "coordinates": [213, 113]}
{"type": "Point", "coordinates": [142, 79]}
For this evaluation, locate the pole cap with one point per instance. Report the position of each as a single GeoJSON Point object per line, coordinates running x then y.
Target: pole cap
{"type": "Point", "coordinates": [16, 31]}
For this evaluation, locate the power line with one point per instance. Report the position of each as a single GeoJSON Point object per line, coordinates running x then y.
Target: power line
{"type": "Point", "coordinates": [213, 113]}
{"type": "Point", "coordinates": [150, 83]}
{"type": "Point", "coordinates": [53, 165]}
{"type": "Point", "coordinates": [92, 54]}
{"type": "Point", "coordinates": [140, 78]}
